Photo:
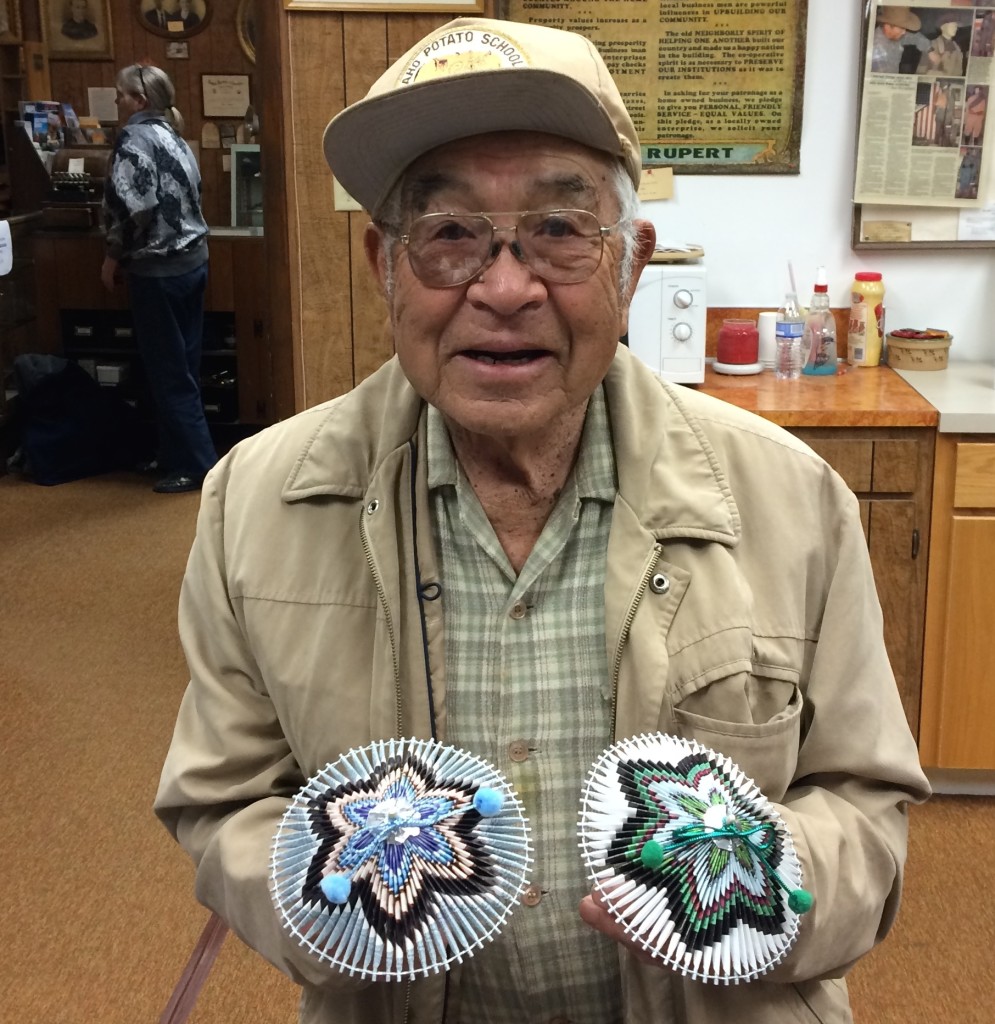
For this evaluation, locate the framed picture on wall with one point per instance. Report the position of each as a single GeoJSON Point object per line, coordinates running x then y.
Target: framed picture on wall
{"type": "Point", "coordinates": [173, 19]}
{"type": "Point", "coordinates": [78, 29]}
{"type": "Point", "coordinates": [10, 21]}
{"type": "Point", "coordinates": [245, 26]}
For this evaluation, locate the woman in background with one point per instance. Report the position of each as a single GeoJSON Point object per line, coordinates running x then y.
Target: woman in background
{"type": "Point", "coordinates": [157, 238]}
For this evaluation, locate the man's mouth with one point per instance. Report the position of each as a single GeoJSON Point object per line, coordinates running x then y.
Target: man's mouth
{"type": "Point", "coordinates": [520, 358]}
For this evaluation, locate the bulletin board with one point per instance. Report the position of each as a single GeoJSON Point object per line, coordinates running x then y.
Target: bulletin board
{"type": "Point", "coordinates": [924, 173]}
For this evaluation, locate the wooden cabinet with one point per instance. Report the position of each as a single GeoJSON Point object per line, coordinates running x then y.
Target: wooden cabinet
{"type": "Point", "coordinates": [237, 360]}
{"type": "Point", "coordinates": [958, 706]}
{"type": "Point", "coordinates": [890, 469]}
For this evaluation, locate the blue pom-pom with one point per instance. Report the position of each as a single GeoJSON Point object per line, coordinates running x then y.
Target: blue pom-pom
{"type": "Point", "coordinates": [488, 801]}
{"type": "Point", "coordinates": [800, 901]}
{"type": "Point", "coordinates": [335, 888]}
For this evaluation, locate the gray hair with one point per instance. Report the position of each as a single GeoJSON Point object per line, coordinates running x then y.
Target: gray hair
{"type": "Point", "coordinates": [390, 215]}
{"type": "Point", "coordinates": [153, 83]}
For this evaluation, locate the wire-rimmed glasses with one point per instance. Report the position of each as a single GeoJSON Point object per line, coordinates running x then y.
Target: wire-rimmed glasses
{"type": "Point", "coordinates": [560, 246]}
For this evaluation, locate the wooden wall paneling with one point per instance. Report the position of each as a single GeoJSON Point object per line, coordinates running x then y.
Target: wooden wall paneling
{"type": "Point", "coordinates": [372, 339]}
{"type": "Point", "coordinates": [366, 56]}
{"type": "Point", "coordinates": [273, 93]}
{"type": "Point", "coordinates": [321, 277]}
{"type": "Point", "coordinates": [254, 363]}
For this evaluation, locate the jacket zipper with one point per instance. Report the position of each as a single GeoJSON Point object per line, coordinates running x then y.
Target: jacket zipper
{"type": "Point", "coordinates": [627, 625]}
{"type": "Point", "coordinates": [399, 723]}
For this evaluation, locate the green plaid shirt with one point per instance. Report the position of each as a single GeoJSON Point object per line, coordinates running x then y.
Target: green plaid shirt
{"type": "Point", "coordinates": [528, 689]}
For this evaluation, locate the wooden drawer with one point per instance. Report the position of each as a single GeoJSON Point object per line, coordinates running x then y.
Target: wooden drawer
{"type": "Point", "coordinates": [974, 477]}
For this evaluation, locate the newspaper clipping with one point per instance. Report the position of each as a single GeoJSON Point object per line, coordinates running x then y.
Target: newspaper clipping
{"type": "Point", "coordinates": [923, 120]}
{"type": "Point", "coordinates": [713, 86]}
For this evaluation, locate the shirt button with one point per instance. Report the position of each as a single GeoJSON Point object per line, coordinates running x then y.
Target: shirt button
{"type": "Point", "coordinates": [532, 896]}
{"type": "Point", "coordinates": [518, 750]}
{"type": "Point", "coordinates": [518, 610]}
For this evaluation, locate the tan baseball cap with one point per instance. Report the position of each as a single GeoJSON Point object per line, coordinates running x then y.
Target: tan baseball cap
{"type": "Point", "coordinates": [470, 77]}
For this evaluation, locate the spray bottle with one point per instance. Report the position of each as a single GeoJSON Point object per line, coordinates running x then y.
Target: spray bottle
{"type": "Point", "coordinates": [819, 338]}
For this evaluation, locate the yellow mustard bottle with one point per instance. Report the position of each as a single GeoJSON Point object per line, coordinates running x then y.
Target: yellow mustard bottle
{"type": "Point", "coordinates": [866, 330]}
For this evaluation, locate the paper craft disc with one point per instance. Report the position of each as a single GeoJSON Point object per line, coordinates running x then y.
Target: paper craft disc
{"type": "Point", "coordinates": [400, 859]}
{"type": "Point", "coordinates": [691, 858]}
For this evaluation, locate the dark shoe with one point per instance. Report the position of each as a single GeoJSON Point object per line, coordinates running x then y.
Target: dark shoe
{"type": "Point", "coordinates": [177, 483]}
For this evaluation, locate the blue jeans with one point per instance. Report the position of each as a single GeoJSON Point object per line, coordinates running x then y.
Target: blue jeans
{"type": "Point", "coordinates": [168, 314]}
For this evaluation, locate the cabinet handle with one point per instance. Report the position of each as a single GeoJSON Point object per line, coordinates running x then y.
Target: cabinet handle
{"type": "Point", "coordinates": [915, 544]}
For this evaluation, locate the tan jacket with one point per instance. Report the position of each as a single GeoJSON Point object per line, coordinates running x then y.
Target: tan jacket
{"type": "Point", "coordinates": [305, 636]}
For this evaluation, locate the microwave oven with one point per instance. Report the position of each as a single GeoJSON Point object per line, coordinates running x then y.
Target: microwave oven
{"type": "Point", "coordinates": [667, 320]}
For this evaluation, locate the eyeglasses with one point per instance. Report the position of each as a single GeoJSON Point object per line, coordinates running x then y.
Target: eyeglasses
{"type": "Point", "coordinates": [560, 246]}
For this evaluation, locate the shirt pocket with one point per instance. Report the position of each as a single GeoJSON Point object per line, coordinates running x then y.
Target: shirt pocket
{"type": "Point", "coordinates": [750, 708]}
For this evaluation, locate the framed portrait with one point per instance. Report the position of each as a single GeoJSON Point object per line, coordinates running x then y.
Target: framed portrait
{"type": "Point", "coordinates": [245, 27]}
{"type": "Point", "coordinates": [78, 29]}
{"type": "Point", "coordinates": [173, 19]}
{"type": "Point", "coordinates": [10, 21]}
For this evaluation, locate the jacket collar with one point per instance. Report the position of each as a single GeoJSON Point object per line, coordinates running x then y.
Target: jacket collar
{"type": "Point", "coordinates": [669, 474]}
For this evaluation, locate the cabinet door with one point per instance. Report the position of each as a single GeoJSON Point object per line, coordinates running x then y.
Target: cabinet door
{"type": "Point", "coordinates": [958, 701]}
{"type": "Point", "coordinates": [891, 533]}
{"type": "Point", "coordinates": [967, 697]}
{"type": "Point", "coordinates": [890, 470]}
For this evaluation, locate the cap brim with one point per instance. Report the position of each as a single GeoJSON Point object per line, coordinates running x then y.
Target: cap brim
{"type": "Point", "coordinates": [369, 144]}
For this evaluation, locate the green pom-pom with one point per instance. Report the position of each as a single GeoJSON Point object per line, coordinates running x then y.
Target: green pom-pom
{"type": "Point", "coordinates": [800, 901]}
{"type": "Point", "coordinates": [651, 854]}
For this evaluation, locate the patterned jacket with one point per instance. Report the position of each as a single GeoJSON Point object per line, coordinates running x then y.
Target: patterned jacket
{"type": "Point", "coordinates": [152, 214]}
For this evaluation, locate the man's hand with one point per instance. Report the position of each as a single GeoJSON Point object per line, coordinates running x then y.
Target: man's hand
{"type": "Point", "coordinates": [109, 273]}
{"type": "Point", "coordinates": [592, 912]}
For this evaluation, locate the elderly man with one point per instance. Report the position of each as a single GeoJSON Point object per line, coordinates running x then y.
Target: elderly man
{"type": "Point", "coordinates": [516, 539]}
{"type": "Point", "coordinates": [896, 28]}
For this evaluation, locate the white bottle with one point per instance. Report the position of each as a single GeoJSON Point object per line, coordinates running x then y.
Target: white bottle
{"type": "Point", "coordinates": [788, 340]}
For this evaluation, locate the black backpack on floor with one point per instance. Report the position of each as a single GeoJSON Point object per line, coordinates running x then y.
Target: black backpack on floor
{"type": "Point", "coordinates": [70, 427]}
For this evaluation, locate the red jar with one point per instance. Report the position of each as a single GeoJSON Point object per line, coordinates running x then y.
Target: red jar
{"type": "Point", "coordinates": [738, 342]}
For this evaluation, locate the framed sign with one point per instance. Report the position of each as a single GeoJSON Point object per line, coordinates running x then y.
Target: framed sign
{"type": "Point", "coordinates": [78, 29]}
{"type": "Point", "coordinates": [442, 6]}
{"type": "Point", "coordinates": [225, 95]}
{"type": "Point", "coordinates": [173, 19]}
{"type": "Point", "coordinates": [712, 87]}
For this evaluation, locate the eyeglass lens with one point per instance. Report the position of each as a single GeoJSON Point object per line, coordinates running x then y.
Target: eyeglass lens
{"type": "Point", "coordinates": [561, 246]}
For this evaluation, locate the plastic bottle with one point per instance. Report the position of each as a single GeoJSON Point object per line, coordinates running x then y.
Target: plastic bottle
{"type": "Point", "coordinates": [866, 328]}
{"type": "Point", "coordinates": [788, 340]}
{"type": "Point", "coordinates": [819, 338]}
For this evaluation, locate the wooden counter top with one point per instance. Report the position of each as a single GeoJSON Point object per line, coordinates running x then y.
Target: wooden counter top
{"type": "Point", "coordinates": [869, 396]}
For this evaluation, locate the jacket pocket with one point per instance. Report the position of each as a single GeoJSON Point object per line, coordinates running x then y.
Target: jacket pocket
{"type": "Point", "coordinates": [752, 714]}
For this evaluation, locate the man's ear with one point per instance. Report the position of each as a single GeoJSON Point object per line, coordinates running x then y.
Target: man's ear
{"type": "Point", "coordinates": [642, 251]}
{"type": "Point", "coordinates": [375, 248]}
